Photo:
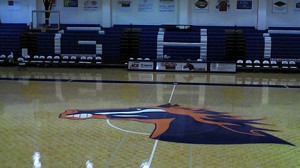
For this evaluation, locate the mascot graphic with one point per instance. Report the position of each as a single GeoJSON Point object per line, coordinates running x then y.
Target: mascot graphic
{"type": "Point", "coordinates": [201, 4]}
{"type": "Point", "coordinates": [175, 123]}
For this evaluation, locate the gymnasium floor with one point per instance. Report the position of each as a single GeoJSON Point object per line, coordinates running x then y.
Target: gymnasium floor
{"type": "Point", "coordinates": [33, 134]}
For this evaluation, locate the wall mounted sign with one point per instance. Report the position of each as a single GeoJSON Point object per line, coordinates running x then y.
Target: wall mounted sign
{"type": "Point", "coordinates": [124, 3]}
{"type": "Point", "coordinates": [14, 5]}
{"type": "Point", "coordinates": [140, 65]}
{"type": "Point", "coordinates": [201, 5]}
{"type": "Point", "coordinates": [223, 5]}
{"type": "Point", "coordinates": [244, 4]}
{"type": "Point", "coordinates": [297, 5]}
{"type": "Point", "coordinates": [280, 6]}
{"type": "Point", "coordinates": [166, 5]}
{"type": "Point", "coordinates": [181, 66]}
{"type": "Point", "coordinates": [70, 3]}
{"type": "Point", "coordinates": [145, 5]}
{"type": "Point", "coordinates": [91, 4]}
{"type": "Point", "coordinates": [222, 67]}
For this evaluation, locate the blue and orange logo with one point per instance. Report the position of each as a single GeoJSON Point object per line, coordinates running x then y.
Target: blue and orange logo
{"type": "Point", "coordinates": [175, 123]}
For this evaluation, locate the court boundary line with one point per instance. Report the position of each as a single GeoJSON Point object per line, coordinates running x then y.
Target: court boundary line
{"type": "Point", "coordinates": [151, 83]}
{"type": "Point", "coordinates": [156, 141]}
{"type": "Point", "coordinates": [113, 155]}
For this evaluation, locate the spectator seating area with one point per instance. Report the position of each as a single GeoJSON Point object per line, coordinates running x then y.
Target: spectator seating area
{"type": "Point", "coordinates": [268, 50]}
{"type": "Point", "coordinates": [268, 65]}
{"type": "Point", "coordinates": [10, 38]}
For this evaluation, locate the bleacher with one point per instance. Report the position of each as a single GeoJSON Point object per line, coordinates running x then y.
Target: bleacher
{"type": "Point", "coordinates": [10, 37]}
{"type": "Point", "coordinates": [182, 52]}
{"type": "Point", "coordinates": [178, 44]}
{"type": "Point", "coordinates": [70, 40]}
{"type": "Point", "coordinates": [111, 45]}
{"type": "Point", "coordinates": [215, 43]}
{"type": "Point", "coordinates": [285, 46]}
{"type": "Point", "coordinates": [148, 41]}
{"type": "Point", "coordinates": [254, 44]}
{"type": "Point", "coordinates": [45, 44]}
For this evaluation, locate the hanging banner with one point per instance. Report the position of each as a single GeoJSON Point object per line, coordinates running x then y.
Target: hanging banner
{"type": "Point", "coordinates": [201, 5]}
{"type": "Point", "coordinates": [14, 5]}
{"type": "Point", "coordinates": [145, 5]}
{"type": "Point", "coordinates": [280, 6]}
{"type": "Point", "coordinates": [70, 3]}
{"type": "Point", "coordinates": [297, 5]}
{"type": "Point", "coordinates": [223, 5]}
{"type": "Point", "coordinates": [91, 4]}
{"type": "Point", "coordinates": [124, 3]}
{"type": "Point", "coordinates": [244, 4]}
{"type": "Point", "coordinates": [166, 5]}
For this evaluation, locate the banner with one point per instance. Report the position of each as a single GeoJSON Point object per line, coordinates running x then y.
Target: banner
{"type": "Point", "coordinates": [166, 5]}
{"type": "Point", "coordinates": [297, 5]}
{"type": "Point", "coordinates": [14, 5]}
{"type": "Point", "coordinates": [70, 3]}
{"type": "Point", "coordinates": [91, 4]}
{"type": "Point", "coordinates": [140, 65]}
{"type": "Point", "coordinates": [280, 6]}
{"type": "Point", "coordinates": [181, 66]}
{"type": "Point", "coordinates": [244, 4]}
{"type": "Point", "coordinates": [201, 5]}
{"type": "Point", "coordinates": [145, 5]}
{"type": "Point", "coordinates": [223, 5]}
{"type": "Point", "coordinates": [124, 3]}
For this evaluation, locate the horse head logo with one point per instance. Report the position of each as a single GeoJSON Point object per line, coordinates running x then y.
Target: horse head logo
{"type": "Point", "coordinates": [175, 123]}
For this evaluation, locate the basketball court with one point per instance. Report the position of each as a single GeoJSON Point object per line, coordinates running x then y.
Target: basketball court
{"type": "Point", "coordinates": [33, 132]}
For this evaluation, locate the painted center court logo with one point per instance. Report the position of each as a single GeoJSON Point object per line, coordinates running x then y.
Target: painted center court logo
{"type": "Point", "coordinates": [175, 123]}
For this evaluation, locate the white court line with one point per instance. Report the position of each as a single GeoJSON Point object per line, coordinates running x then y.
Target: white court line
{"type": "Point", "coordinates": [156, 141]}
{"type": "Point", "coordinates": [286, 86]}
{"type": "Point", "coordinates": [117, 149]}
{"type": "Point", "coordinates": [191, 156]}
{"type": "Point", "coordinates": [174, 87]}
{"type": "Point", "coordinates": [152, 153]}
{"type": "Point", "coordinates": [142, 133]}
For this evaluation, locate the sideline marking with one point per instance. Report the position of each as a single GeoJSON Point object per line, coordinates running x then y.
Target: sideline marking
{"type": "Point", "coordinates": [149, 82]}
{"type": "Point", "coordinates": [172, 93]}
{"type": "Point", "coordinates": [152, 153]}
{"type": "Point", "coordinates": [156, 141]}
